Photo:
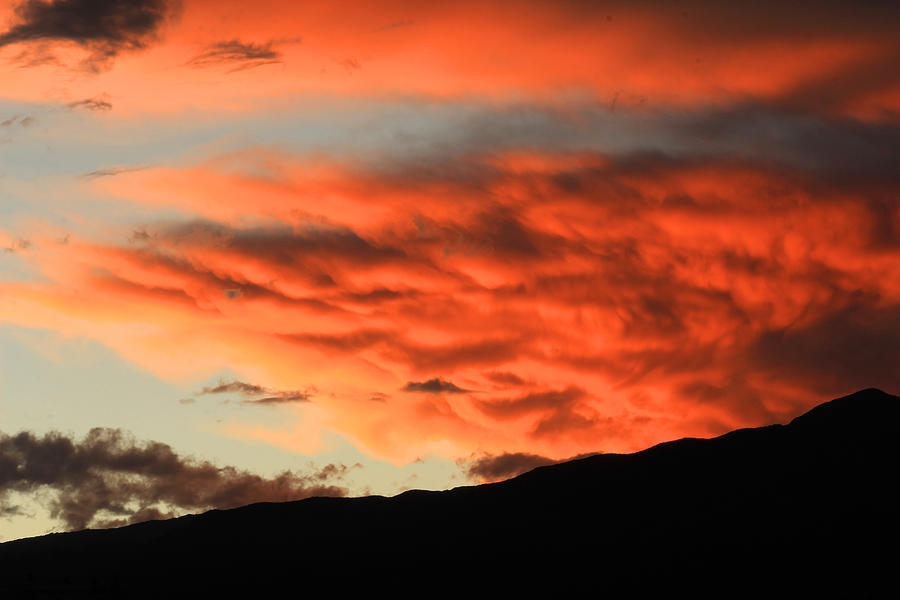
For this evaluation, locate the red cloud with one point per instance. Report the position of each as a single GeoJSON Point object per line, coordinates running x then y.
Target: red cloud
{"type": "Point", "coordinates": [732, 266]}
{"type": "Point", "coordinates": [625, 305]}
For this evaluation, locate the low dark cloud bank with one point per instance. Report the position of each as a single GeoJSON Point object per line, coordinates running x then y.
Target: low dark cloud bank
{"type": "Point", "coordinates": [493, 467]}
{"type": "Point", "coordinates": [109, 479]}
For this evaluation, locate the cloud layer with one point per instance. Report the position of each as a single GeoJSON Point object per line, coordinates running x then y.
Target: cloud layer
{"type": "Point", "coordinates": [816, 57]}
{"type": "Point", "coordinates": [592, 226]}
{"type": "Point", "coordinates": [108, 479]}
{"type": "Point", "coordinates": [553, 301]}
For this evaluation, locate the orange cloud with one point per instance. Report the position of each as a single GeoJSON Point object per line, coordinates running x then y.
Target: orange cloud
{"type": "Point", "coordinates": [655, 221]}
{"type": "Point", "coordinates": [625, 54]}
{"type": "Point", "coordinates": [565, 303]}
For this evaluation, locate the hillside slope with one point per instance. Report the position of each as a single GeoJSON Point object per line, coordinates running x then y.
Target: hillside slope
{"type": "Point", "coordinates": [808, 507]}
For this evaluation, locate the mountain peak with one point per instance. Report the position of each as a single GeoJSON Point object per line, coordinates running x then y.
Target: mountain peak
{"type": "Point", "coordinates": [871, 407]}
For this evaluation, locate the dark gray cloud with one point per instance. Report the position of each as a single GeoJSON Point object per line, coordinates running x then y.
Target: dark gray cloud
{"type": "Point", "coordinates": [235, 387]}
{"type": "Point", "coordinates": [281, 398]}
{"type": "Point", "coordinates": [502, 466]}
{"type": "Point", "coordinates": [829, 146]}
{"type": "Point", "coordinates": [434, 386]}
{"type": "Point", "coordinates": [108, 478]}
{"type": "Point", "coordinates": [105, 28]}
{"type": "Point", "coordinates": [257, 394]}
{"type": "Point", "coordinates": [239, 55]}
{"type": "Point", "coordinates": [764, 133]}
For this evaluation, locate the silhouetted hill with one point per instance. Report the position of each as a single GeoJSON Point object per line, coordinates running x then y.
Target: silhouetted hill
{"type": "Point", "coordinates": [804, 509]}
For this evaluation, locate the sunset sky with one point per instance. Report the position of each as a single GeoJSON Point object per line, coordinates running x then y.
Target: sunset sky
{"type": "Point", "coordinates": [277, 249]}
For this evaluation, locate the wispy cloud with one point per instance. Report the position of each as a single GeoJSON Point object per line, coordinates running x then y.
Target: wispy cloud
{"type": "Point", "coordinates": [256, 394]}
{"type": "Point", "coordinates": [239, 56]}
{"type": "Point", "coordinates": [495, 467]}
{"type": "Point", "coordinates": [96, 104]}
{"type": "Point", "coordinates": [110, 172]}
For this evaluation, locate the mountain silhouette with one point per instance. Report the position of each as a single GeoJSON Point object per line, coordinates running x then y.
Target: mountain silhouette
{"type": "Point", "coordinates": [804, 509]}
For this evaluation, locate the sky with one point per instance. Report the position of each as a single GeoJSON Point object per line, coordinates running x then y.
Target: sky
{"type": "Point", "coordinates": [262, 251]}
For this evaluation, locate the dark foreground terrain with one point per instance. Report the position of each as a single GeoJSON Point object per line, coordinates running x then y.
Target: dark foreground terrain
{"type": "Point", "coordinates": [807, 509]}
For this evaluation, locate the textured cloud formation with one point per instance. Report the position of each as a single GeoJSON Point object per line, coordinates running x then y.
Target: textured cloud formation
{"type": "Point", "coordinates": [105, 28]}
{"type": "Point", "coordinates": [595, 301]}
{"type": "Point", "coordinates": [109, 479]}
{"type": "Point", "coordinates": [256, 394]}
{"type": "Point", "coordinates": [654, 240]}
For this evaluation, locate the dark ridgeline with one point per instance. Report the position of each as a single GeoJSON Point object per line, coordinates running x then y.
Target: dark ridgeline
{"type": "Point", "coordinates": [808, 509]}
